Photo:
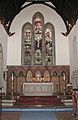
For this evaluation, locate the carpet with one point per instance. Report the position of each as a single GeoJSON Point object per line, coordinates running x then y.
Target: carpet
{"type": "Point", "coordinates": [38, 115]}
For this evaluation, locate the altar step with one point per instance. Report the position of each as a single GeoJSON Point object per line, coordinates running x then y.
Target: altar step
{"type": "Point", "coordinates": [39, 100]}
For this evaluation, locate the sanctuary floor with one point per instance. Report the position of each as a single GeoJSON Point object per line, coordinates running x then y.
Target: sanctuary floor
{"type": "Point", "coordinates": [37, 114]}
{"type": "Point", "coordinates": [16, 116]}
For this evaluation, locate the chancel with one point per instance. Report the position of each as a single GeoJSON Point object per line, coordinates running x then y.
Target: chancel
{"type": "Point", "coordinates": [38, 52]}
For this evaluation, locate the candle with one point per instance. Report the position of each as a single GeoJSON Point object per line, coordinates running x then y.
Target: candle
{"type": "Point", "coordinates": [12, 77]}
{"type": "Point", "coordinates": [64, 77]}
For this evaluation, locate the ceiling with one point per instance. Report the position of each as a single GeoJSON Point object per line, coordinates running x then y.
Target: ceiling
{"type": "Point", "coordinates": [67, 9]}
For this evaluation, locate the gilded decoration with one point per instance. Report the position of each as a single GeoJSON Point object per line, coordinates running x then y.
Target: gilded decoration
{"type": "Point", "coordinates": [18, 75]}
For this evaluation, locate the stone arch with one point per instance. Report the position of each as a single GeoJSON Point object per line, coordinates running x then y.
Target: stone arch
{"type": "Point", "coordinates": [1, 65]}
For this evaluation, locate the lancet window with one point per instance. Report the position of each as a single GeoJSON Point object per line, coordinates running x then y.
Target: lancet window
{"type": "Point", "coordinates": [38, 42]}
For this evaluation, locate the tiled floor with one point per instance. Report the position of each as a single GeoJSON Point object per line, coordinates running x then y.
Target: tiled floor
{"type": "Point", "coordinates": [66, 116]}
{"type": "Point", "coordinates": [59, 115]}
{"type": "Point", "coordinates": [10, 116]}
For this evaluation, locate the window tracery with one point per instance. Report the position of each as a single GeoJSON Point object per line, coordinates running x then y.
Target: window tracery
{"type": "Point", "coordinates": [38, 42]}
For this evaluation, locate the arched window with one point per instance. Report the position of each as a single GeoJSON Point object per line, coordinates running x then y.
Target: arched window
{"type": "Point", "coordinates": [26, 44]}
{"type": "Point", "coordinates": [38, 23]}
{"type": "Point", "coordinates": [49, 36]}
{"type": "Point", "coordinates": [38, 42]}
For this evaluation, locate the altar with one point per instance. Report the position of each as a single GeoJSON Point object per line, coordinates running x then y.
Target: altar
{"type": "Point", "coordinates": [37, 89]}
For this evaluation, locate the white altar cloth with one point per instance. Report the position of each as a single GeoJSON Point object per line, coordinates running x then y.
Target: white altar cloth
{"type": "Point", "coordinates": [38, 89]}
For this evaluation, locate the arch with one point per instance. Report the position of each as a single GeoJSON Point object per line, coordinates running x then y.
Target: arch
{"type": "Point", "coordinates": [65, 20]}
{"type": "Point", "coordinates": [1, 65]}
{"type": "Point", "coordinates": [29, 76]}
{"type": "Point", "coordinates": [46, 76]}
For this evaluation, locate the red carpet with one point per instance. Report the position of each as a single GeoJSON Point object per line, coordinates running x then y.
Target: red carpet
{"type": "Point", "coordinates": [39, 100]}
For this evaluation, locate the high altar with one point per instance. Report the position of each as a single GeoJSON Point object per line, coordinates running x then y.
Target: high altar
{"type": "Point", "coordinates": [37, 80]}
{"type": "Point", "coordinates": [37, 89]}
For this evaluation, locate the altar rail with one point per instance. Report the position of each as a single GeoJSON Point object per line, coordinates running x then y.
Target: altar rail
{"type": "Point", "coordinates": [37, 89]}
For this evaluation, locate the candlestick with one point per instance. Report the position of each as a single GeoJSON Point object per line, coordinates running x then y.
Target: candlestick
{"type": "Point", "coordinates": [12, 83]}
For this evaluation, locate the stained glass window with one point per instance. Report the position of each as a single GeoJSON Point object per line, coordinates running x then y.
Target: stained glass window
{"type": "Point", "coordinates": [49, 54]}
{"type": "Point", "coordinates": [38, 26]}
{"type": "Point", "coordinates": [38, 42]}
{"type": "Point", "coordinates": [27, 39]}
